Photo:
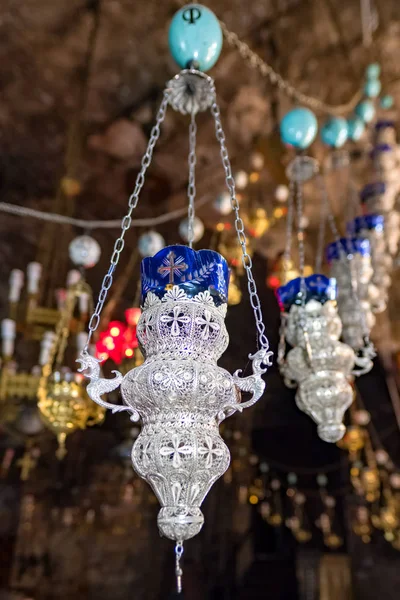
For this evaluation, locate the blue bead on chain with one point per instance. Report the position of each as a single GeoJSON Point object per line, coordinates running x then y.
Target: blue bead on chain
{"type": "Point", "coordinates": [334, 132]}
{"type": "Point", "coordinates": [195, 37]}
{"type": "Point", "coordinates": [298, 128]}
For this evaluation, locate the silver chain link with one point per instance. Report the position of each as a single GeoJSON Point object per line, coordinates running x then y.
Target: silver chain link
{"type": "Point", "coordinates": [289, 230]}
{"type": "Point", "coordinates": [322, 229]}
{"type": "Point", "coordinates": [192, 178]}
{"type": "Point", "coordinates": [178, 568]}
{"type": "Point", "coordinates": [300, 228]}
{"type": "Point", "coordinates": [239, 226]}
{"type": "Point", "coordinates": [127, 220]}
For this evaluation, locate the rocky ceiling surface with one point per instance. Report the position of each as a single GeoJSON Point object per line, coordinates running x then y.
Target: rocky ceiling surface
{"type": "Point", "coordinates": [316, 44]}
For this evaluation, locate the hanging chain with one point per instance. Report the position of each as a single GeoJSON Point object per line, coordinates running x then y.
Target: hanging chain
{"type": "Point", "coordinates": [127, 220]}
{"type": "Point", "coordinates": [62, 332]}
{"type": "Point", "coordinates": [192, 178]}
{"type": "Point", "coordinates": [239, 226]}
{"type": "Point", "coordinates": [178, 568]}
{"type": "Point", "coordinates": [347, 259]}
{"type": "Point", "coordinates": [282, 340]}
{"type": "Point", "coordinates": [300, 229]}
{"type": "Point", "coordinates": [326, 216]}
{"type": "Point", "coordinates": [303, 290]}
{"type": "Point", "coordinates": [369, 21]}
{"type": "Point", "coordinates": [321, 231]}
{"type": "Point", "coordinates": [289, 232]}
{"type": "Point", "coordinates": [258, 64]}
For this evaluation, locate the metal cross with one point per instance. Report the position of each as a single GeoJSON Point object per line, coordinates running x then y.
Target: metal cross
{"type": "Point", "coordinates": [171, 267]}
{"type": "Point", "coordinates": [26, 463]}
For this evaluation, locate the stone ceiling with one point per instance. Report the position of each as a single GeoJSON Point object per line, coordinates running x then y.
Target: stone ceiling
{"type": "Point", "coordinates": [315, 44]}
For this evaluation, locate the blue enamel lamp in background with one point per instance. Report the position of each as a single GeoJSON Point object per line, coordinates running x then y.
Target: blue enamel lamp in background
{"type": "Point", "coordinates": [365, 110]}
{"type": "Point", "coordinates": [298, 128]}
{"type": "Point", "coordinates": [386, 101]}
{"type": "Point", "coordinates": [346, 247]}
{"type": "Point", "coordinates": [334, 132]}
{"type": "Point", "coordinates": [355, 128]}
{"type": "Point", "coordinates": [376, 188]}
{"type": "Point", "coordinates": [373, 71]}
{"type": "Point", "coordinates": [316, 287]}
{"type": "Point", "coordinates": [372, 88]}
{"type": "Point", "coordinates": [370, 222]}
{"type": "Point", "coordinates": [195, 37]}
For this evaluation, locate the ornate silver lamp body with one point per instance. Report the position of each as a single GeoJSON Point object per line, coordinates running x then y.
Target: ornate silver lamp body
{"type": "Point", "coordinates": [180, 393]}
{"type": "Point", "coordinates": [380, 198]}
{"type": "Point", "coordinates": [350, 265]}
{"type": "Point", "coordinates": [319, 364]}
{"type": "Point", "coordinates": [372, 228]}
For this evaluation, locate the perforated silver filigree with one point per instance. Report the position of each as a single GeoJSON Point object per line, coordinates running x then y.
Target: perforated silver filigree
{"type": "Point", "coordinates": [320, 366]}
{"type": "Point", "coordinates": [356, 298]}
{"type": "Point", "coordinates": [181, 396]}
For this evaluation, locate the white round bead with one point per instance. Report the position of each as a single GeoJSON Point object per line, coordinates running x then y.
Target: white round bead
{"type": "Point", "coordinates": [198, 229]}
{"type": "Point", "coordinates": [241, 180]}
{"type": "Point", "coordinates": [223, 203]}
{"type": "Point", "coordinates": [282, 193]}
{"type": "Point", "coordinates": [84, 251]}
{"type": "Point", "coordinates": [150, 243]}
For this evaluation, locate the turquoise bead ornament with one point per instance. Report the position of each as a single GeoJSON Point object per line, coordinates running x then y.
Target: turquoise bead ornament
{"type": "Point", "coordinates": [386, 102]}
{"type": "Point", "coordinates": [373, 71]}
{"type": "Point", "coordinates": [195, 37]}
{"type": "Point", "coordinates": [334, 133]}
{"type": "Point", "coordinates": [372, 88]}
{"type": "Point", "coordinates": [365, 110]}
{"type": "Point", "coordinates": [355, 128]}
{"type": "Point", "coordinates": [298, 128]}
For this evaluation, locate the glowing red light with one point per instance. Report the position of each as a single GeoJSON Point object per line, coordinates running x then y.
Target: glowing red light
{"type": "Point", "coordinates": [119, 340]}
{"type": "Point", "coordinates": [273, 282]}
{"type": "Point", "coordinates": [132, 316]}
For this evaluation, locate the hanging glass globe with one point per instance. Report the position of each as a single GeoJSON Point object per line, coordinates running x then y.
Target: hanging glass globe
{"type": "Point", "coordinates": [365, 110]}
{"type": "Point", "coordinates": [372, 88]}
{"type": "Point", "coordinates": [373, 71]}
{"type": "Point", "coordinates": [299, 128]}
{"type": "Point", "coordinates": [223, 204]}
{"type": "Point", "coordinates": [355, 128]}
{"type": "Point", "coordinates": [334, 132]}
{"type": "Point", "coordinates": [150, 243]}
{"type": "Point", "coordinates": [195, 37]}
{"type": "Point", "coordinates": [84, 251]}
{"type": "Point", "coordinates": [386, 102]}
{"type": "Point", "coordinates": [198, 229]}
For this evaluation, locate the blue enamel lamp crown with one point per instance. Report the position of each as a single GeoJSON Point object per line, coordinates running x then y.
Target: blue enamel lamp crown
{"type": "Point", "coordinates": [193, 271]}
{"type": "Point", "coordinates": [347, 246]}
{"type": "Point", "coordinates": [317, 287]}
{"type": "Point", "coordinates": [380, 149]}
{"type": "Point", "coordinates": [370, 222]}
{"type": "Point", "coordinates": [372, 189]}
{"type": "Point", "coordinates": [384, 124]}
